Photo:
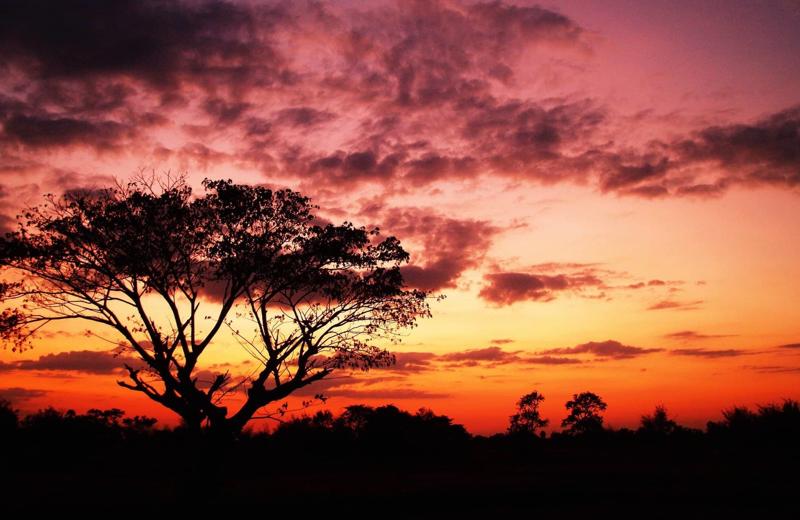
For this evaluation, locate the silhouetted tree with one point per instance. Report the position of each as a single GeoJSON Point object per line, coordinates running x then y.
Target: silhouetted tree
{"type": "Point", "coordinates": [584, 414]}
{"type": "Point", "coordinates": [167, 271]}
{"type": "Point", "coordinates": [772, 426]}
{"type": "Point", "coordinates": [10, 317]}
{"type": "Point", "coordinates": [528, 419]}
{"type": "Point", "coordinates": [9, 417]}
{"type": "Point", "coordinates": [658, 424]}
{"type": "Point", "coordinates": [388, 425]}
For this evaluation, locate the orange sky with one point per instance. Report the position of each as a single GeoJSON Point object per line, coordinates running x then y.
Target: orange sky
{"type": "Point", "coordinates": [607, 192]}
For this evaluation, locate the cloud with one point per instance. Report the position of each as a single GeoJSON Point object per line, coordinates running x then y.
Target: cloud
{"type": "Point", "coordinates": [791, 346]}
{"type": "Point", "coordinates": [709, 161]}
{"type": "Point", "coordinates": [428, 53]}
{"type": "Point", "coordinates": [544, 282]}
{"type": "Point", "coordinates": [48, 132]}
{"type": "Point", "coordinates": [153, 41]}
{"type": "Point", "coordinates": [351, 167]}
{"type": "Point", "coordinates": [225, 112]}
{"type": "Point", "coordinates": [85, 361]}
{"type": "Point", "coordinates": [494, 355]}
{"type": "Point", "coordinates": [406, 71]}
{"type": "Point", "coordinates": [395, 95]}
{"type": "Point", "coordinates": [650, 283]}
{"type": "Point", "coordinates": [707, 353]}
{"type": "Point", "coordinates": [354, 387]}
{"type": "Point", "coordinates": [303, 117]}
{"type": "Point", "coordinates": [609, 349]}
{"type": "Point", "coordinates": [16, 394]}
{"type": "Point", "coordinates": [772, 369]}
{"type": "Point", "coordinates": [511, 287]}
{"type": "Point", "coordinates": [551, 360]}
{"type": "Point", "coordinates": [691, 335]}
{"type": "Point", "coordinates": [388, 393]}
{"type": "Point", "coordinates": [676, 305]}
{"type": "Point", "coordinates": [446, 246]}
{"type": "Point", "coordinates": [413, 362]}
{"type": "Point", "coordinates": [764, 152]}
{"type": "Point", "coordinates": [442, 248]}
{"type": "Point", "coordinates": [472, 357]}
{"type": "Point", "coordinates": [501, 341]}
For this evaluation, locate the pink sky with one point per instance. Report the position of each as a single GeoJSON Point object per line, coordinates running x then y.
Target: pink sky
{"type": "Point", "coordinates": [607, 192]}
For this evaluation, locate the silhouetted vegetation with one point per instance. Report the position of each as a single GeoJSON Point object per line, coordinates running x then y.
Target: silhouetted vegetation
{"type": "Point", "coordinates": [528, 419]}
{"type": "Point", "coordinates": [584, 414]}
{"type": "Point", "coordinates": [165, 270]}
{"type": "Point", "coordinates": [745, 462]}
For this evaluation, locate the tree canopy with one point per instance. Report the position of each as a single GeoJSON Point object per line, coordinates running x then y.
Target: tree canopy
{"type": "Point", "coordinates": [528, 418]}
{"type": "Point", "coordinates": [585, 414]}
{"type": "Point", "coordinates": [166, 270]}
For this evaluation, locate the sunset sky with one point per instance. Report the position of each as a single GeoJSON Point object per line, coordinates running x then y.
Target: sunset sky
{"type": "Point", "coordinates": [607, 192]}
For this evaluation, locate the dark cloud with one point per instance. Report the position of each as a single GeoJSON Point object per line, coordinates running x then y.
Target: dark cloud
{"type": "Point", "coordinates": [791, 346]}
{"type": "Point", "coordinates": [417, 78]}
{"type": "Point", "coordinates": [764, 152]}
{"type": "Point", "coordinates": [610, 349]}
{"type": "Point", "coordinates": [225, 112]}
{"type": "Point", "coordinates": [303, 117]}
{"type": "Point", "coordinates": [155, 41]}
{"type": "Point", "coordinates": [506, 288]}
{"type": "Point", "coordinates": [546, 281]}
{"type": "Point", "coordinates": [413, 362]}
{"type": "Point", "coordinates": [85, 361]}
{"type": "Point", "coordinates": [48, 132]}
{"type": "Point", "coordinates": [446, 246]}
{"type": "Point", "coordinates": [16, 394]}
{"type": "Point", "coordinates": [7, 222]}
{"type": "Point", "coordinates": [428, 89]}
{"type": "Point", "coordinates": [428, 53]}
{"type": "Point", "coordinates": [356, 166]}
{"type": "Point", "coordinates": [633, 178]}
{"type": "Point", "coordinates": [471, 357]}
{"type": "Point", "coordinates": [707, 353]}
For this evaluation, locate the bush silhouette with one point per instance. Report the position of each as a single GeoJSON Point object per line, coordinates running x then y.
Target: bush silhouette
{"type": "Point", "coordinates": [657, 424]}
{"type": "Point", "coordinates": [9, 418]}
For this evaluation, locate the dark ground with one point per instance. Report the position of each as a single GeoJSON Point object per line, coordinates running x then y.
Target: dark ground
{"type": "Point", "coordinates": [405, 465]}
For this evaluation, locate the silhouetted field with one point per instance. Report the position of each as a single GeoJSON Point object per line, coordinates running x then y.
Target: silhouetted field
{"type": "Point", "coordinates": [387, 462]}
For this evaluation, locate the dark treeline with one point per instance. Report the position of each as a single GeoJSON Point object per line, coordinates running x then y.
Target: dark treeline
{"type": "Point", "coordinates": [421, 463]}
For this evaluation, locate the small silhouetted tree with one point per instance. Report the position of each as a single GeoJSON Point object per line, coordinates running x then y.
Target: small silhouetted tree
{"type": "Point", "coordinates": [528, 419]}
{"type": "Point", "coordinates": [658, 424]}
{"type": "Point", "coordinates": [167, 270]}
{"type": "Point", "coordinates": [584, 417]}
